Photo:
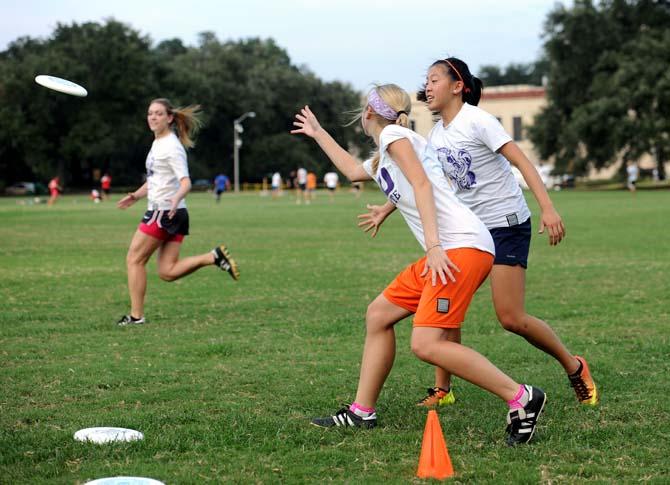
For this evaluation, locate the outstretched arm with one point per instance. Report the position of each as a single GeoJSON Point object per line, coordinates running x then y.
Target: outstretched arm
{"type": "Point", "coordinates": [308, 125]}
{"type": "Point", "coordinates": [133, 197]}
{"type": "Point", "coordinates": [549, 217]}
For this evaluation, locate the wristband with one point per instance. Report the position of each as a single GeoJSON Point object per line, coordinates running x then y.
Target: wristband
{"type": "Point", "coordinates": [434, 246]}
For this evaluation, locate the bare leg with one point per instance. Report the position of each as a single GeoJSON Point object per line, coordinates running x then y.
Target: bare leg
{"type": "Point", "coordinates": [508, 285]}
{"type": "Point", "coordinates": [379, 349]}
{"type": "Point", "coordinates": [442, 377]}
{"type": "Point", "coordinates": [171, 268]}
{"type": "Point", "coordinates": [462, 361]}
{"type": "Point", "coordinates": [141, 248]}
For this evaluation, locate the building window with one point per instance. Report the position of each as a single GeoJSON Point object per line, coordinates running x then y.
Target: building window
{"type": "Point", "coordinates": [517, 128]}
{"type": "Point", "coordinates": [412, 125]}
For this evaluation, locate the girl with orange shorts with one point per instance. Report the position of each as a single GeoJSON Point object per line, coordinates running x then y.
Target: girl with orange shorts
{"type": "Point", "coordinates": [437, 288]}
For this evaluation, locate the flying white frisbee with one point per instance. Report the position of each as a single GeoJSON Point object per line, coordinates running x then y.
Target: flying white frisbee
{"type": "Point", "coordinates": [107, 435]}
{"type": "Point", "coordinates": [125, 481]}
{"type": "Point", "coordinates": [61, 85]}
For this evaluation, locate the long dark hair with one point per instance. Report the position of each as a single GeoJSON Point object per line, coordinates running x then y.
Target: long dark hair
{"type": "Point", "coordinates": [458, 71]}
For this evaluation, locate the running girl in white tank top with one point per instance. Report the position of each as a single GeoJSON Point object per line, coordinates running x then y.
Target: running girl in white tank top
{"type": "Point", "coordinates": [459, 255]}
{"type": "Point", "coordinates": [166, 222]}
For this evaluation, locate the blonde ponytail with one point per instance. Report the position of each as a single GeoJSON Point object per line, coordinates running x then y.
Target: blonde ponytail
{"type": "Point", "coordinates": [397, 99]}
{"type": "Point", "coordinates": [186, 123]}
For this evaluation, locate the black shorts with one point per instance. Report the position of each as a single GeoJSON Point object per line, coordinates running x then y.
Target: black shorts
{"type": "Point", "coordinates": [302, 187]}
{"type": "Point", "coordinates": [512, 244]}
{"type": "Point", "coordinates": [157, 223]}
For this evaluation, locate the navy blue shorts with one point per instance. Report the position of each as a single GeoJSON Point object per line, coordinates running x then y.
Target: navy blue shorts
{"type": "Point", "coordinates": [512, 244]}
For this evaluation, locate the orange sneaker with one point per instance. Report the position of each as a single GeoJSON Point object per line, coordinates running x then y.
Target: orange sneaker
{"type": "Point", "coordinates": [438, 397]}
{"type": "Point", "coordinates": [583, 384]}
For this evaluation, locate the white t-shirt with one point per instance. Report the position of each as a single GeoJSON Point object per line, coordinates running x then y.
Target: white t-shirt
{"type": "Point", "coordinates": [276, 179]}
{"type": "Point", "coordinates": [482, 178]}
{"type": "Point", "coordinates": [302, 176]}
{"type": "Point", "coordinates": [632, 171]}
{"type": "Point", "coordinates": [166, 166]}
{"type": "Point", "coordinates": [331, 179]}
{"type": "Point", "coordinates": [458, 227]}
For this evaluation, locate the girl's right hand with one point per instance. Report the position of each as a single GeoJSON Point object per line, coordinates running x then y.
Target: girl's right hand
{"type": "Point", "coordinates": [306, 122]}
{"type": "Point", "coordinates": [126, 202]}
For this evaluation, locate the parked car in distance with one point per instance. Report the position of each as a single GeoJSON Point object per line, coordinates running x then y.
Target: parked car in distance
{"type": "Point", "coordinates": [26, 188]}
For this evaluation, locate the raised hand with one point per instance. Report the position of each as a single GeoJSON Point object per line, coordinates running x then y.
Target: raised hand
{"type": "Point", "coordinates": [306, 122]}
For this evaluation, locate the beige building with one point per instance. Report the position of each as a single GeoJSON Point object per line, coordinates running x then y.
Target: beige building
{"type": "Point", "coordinates": [515, 107]}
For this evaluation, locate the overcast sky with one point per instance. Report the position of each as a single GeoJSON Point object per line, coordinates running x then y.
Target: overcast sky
{"type": "Point", "coordinates": [356, 41]}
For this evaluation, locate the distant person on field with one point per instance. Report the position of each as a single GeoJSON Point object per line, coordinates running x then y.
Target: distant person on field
{"type": "Point", "coordinates": [166, 222]}
{"type": "Point", "coordinates": [632, 172]}
{"type": "Point", "coordinates": [276, 185]}
{"type": "Point", "coordinates": [357, 188]}
{"type": "Point", "coordinates": [106, 185]}
{"type": "Point", "coordinates": [311, 186]}
{"type": "Point", "coordinates": [301, 182]}
{"type": "Point", "coordinates": [221, 184]}
{"type": "Point", "coordinates": [331, 180]}
{"type": "Point", "coordinates": [95, 196]}
{"type": "Point", "coordinates": [54, 190]}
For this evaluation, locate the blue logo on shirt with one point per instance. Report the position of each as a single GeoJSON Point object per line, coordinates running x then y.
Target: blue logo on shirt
{"type": "Point", "coordinates": [456, 166]}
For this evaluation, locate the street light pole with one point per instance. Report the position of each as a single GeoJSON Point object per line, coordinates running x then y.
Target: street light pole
{"type": "Point", "coordinates": [237, 143]}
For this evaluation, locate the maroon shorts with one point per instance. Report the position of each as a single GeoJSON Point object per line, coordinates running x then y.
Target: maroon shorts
{"type": "Point", "coordinates": [156, 223]}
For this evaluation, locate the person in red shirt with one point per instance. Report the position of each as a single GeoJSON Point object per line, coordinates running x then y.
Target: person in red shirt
{"type": "Point", "coordinates": [54, 189]}
{"type": "Point", "coordinates": [106, 185]}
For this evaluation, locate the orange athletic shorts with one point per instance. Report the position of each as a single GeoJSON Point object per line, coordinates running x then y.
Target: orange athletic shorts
{"type": "Point", "coordinates": [442, 306]}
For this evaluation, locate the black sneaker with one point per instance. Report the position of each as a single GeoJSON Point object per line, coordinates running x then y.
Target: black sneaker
{"type": "Point", "coordinates": [348, 419]}
{"type": "Point", "coordinates": [223, 260]}
{"type": "Point", "coordinates": [130, 320]}
{"type": "Point", "coordinates": [521, 423]}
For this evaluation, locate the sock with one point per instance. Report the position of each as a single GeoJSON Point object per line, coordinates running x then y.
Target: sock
{"type": "Point", "coordinates": [578, 371]}
{"type": "Point", "coordinates": [135, 319]}
{"type": "Point", "coordinates": [361, 411]}
{"type": "Point", "coordinates": [520, 400]}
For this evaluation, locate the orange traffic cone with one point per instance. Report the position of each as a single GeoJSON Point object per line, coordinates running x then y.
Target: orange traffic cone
{"type": "Point", "coordinates": [434, 461]}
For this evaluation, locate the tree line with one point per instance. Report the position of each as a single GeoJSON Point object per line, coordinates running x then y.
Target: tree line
{"type": "Point", "coordinates": [608, 85]}
{"type": "Point", "coordinates": [605, 66]}
{"type": "Point", "coordinates": [44, 133]}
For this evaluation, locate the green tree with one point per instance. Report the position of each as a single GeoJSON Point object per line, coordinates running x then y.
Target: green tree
{"type": "Point", "coordinates": [43, 132]}
{"type": "Point", "coordinates": [515, 73]}
{"type": "Point", "coordinates": [606, 62]}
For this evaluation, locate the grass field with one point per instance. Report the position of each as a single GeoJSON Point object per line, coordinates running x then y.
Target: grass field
{"type": "Point", "coordinates": [224, 377]}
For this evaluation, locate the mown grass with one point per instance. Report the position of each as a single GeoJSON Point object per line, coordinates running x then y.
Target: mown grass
{"type": "Point", "coordinates": [224, 377]}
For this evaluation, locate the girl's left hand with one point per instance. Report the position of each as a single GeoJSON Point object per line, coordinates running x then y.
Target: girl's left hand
{"type": "Point", "coordinates": [173, 209]}
{"type": "Point", "coordinates": [306, 122]}
{"type": "Point", "coordinates": [551, 220]}
{"type": "Point", "coordinates": [440, 265]}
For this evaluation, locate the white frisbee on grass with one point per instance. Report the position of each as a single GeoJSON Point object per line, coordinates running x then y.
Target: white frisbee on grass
{"type": "Point", "coordinates": [107, 435]}
{"type": "Point", "coordinates": [61, 85]}
{"type": "Point", "coordinates": [125, 481]}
